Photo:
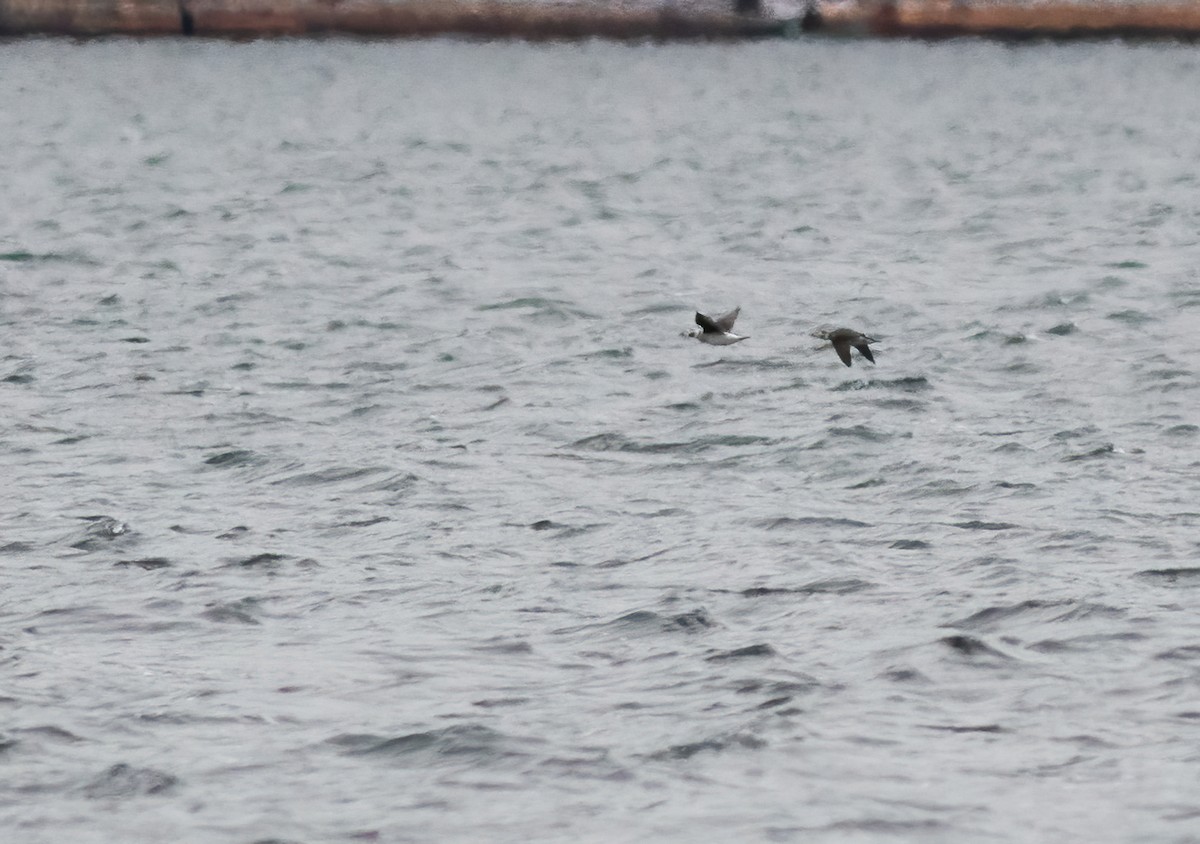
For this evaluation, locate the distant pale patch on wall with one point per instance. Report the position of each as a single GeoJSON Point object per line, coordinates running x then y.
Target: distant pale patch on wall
{"type": "Point", "coordinates": [768, 8]}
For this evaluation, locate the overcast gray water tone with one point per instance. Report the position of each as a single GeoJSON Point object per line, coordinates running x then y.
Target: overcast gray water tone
{"type": "Point", "coordinates": [359, 483]}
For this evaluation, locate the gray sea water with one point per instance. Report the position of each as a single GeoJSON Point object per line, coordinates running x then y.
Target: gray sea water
{"type": "Point", "coordinates": [358, 484]}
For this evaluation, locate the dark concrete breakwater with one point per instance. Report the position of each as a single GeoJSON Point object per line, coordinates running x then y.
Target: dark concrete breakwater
{"type": "Point", "coordinates": [424, 18]}
{"type": "Point", "coordinates": [427, 18]}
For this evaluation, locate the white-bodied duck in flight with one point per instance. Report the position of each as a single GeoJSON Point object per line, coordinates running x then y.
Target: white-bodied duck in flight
{"type": "Point", "coordinates": [718, 331]}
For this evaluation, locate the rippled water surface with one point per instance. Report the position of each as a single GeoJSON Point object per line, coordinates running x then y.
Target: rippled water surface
{"type": "Point", "coordinates": [359, 484]}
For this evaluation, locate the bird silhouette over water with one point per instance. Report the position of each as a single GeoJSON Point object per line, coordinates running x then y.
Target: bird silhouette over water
{"type": "Point", "coordinates": [845, 338]}
{"type": "Point", "coordinates": [719, 331]}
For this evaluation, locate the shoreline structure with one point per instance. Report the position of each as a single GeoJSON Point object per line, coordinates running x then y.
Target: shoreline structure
{"type": "Point", "coordinates": [1012, 20]}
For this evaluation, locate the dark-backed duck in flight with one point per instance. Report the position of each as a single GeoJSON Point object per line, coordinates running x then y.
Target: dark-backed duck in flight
{"type": "Point", "coordinates": [843, 338]}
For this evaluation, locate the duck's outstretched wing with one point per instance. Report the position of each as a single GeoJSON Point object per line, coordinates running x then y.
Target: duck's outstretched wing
{"type": "Point", "coordinates": [842, 347]}
{"type": "Point", "coordinates": [725, 321]}
{"type": "Point", "coordinates": [708, 323]}
{"type": "Point", "coordinates": [864, 349]}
